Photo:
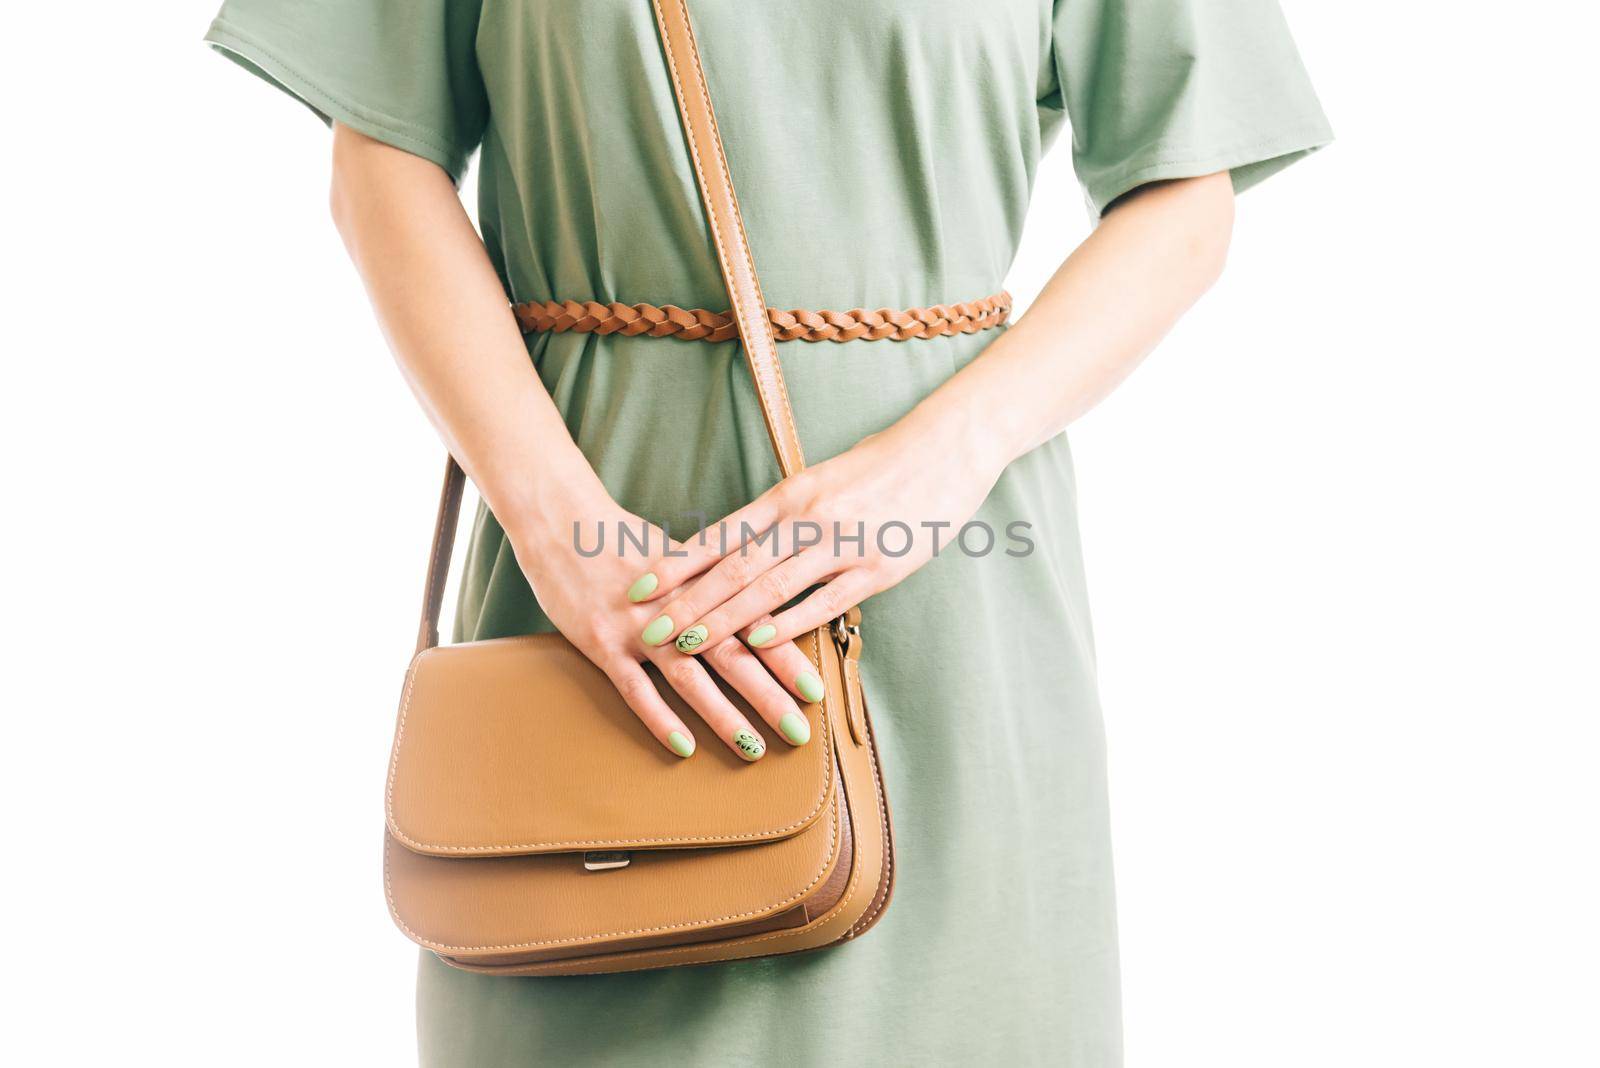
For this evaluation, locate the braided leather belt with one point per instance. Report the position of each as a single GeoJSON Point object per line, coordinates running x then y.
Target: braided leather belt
{"type": "Point", "coordinates": [697, 324]}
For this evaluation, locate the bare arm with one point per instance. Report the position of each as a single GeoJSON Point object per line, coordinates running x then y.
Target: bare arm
{"type": "Point", "coordinates": [445, 314]}
{"type": "Point", "coordinates": [1156, 251]}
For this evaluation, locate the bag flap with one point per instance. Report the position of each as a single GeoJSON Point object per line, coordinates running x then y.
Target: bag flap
{"type": "Point", "coordinates": [521, 745]}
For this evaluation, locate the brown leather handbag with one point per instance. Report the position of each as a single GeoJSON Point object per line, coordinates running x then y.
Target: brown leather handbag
{"type": "Point", "coordinates": [533, 826]}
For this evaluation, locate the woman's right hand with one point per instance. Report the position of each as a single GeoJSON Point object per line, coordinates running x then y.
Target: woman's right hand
{"type": "Point", "coordinates": [593, 602]}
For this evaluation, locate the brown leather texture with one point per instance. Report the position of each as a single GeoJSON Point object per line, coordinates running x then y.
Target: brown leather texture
{"type": "Point", "coordinates": [496, 810]}
{"type": "Point", "coordinates": [444, 538]}
{"type": "Point", "coordinates": [514, 759]}
{"type": "Point", "coordinates": [550, 759]}
{"type": "Point", "coordinates": [727, 228]}
{"type": "Point", "coordinates": [535, 828]}
{"type": "Point", "coordinates": [698, 324]}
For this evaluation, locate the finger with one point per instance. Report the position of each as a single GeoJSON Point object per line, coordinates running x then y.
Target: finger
{"type": "Point", "coordinates": [641, 695]}
{"type": "Point", "coordinates": [693, 683]}
{"type": "Point", "coordinates": [784, 661]}
{"type": "Point", "coordinates": [825, 605]}
{"type": "Point", "coordinates": [751, 566]}
{"type": "Point", "coordinates": [766, 593]}
{"type": "Point", "coordinates": [679, 562]}
{"type": "Point", "coordinates": [682, 561]}
{"type": "Point", "coordinates": [740, 669]}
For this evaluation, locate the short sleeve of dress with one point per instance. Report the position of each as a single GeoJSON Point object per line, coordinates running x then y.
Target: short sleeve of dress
{"type": "Point", "coordinates": [401, 71]}
{"type": "Point", "coordinates": [1160, 89]}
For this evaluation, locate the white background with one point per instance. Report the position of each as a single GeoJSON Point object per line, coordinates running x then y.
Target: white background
{"type": "Point", "coordinates": [1341, 534]}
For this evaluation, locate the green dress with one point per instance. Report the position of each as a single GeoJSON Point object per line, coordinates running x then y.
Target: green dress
{"type": "Point", "coordinates": [885, 154]}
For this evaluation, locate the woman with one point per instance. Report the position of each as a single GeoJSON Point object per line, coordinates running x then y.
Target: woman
{"type": "Point", "coordinates": [884, 154]}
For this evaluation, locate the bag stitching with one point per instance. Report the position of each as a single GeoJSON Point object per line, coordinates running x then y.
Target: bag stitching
{"type": "Point", "coordinates": [394, 910]}
{"type": "Point", "coordinates": [430, 848]}
{"type": "Point", "coordinates": [859, 926]}
{"type": "Point", "coordinates": [787, 438]}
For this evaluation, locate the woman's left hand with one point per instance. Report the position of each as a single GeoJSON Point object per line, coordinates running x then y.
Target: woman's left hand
{"type": "Point", "coordinates": [858, 523]}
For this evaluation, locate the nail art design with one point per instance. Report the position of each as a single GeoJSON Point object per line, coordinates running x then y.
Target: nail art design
{"type": "Point", "coordinates": [643, 586]}
{"type": "Point", "coordinates": [681, 743]}
{"type": "Point", "coordinates": [692, 638]}
{"type": "Point", "coordinates": [809, 685]}
{"type": "Point", "coordinates": [749, 744]}
{"type": "Point", "coordinates": [761, 635]}
{"type": "Point", "coordinates": [795, 728]}
{"type": "Point", "coordinates": [658, 630]}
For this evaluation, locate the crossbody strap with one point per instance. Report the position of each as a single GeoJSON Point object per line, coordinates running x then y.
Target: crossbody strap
{"type": "Point", "coordinates": [738, 274]}
{"type": "Point", "coordinates": [727, 228]}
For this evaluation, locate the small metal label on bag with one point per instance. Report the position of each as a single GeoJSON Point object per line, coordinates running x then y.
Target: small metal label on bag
{"type": "Point", "coordinates": [599, 860]}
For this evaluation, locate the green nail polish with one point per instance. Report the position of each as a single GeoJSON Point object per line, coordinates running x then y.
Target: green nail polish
{"type": "Point", "coordinates": [681, 743]}
{"type": "Point", "coordinates": [810, 686]}
{"type": "Point", "coordinates": [795, 728]}
{"type": "Point", "coordinates": [693, 638]}
{"type": "Point", "coordinates": [657, 631]}
{"type": "Point", "coordinates": [761, 635]}
{"type": "Point", "coordinates": [643, 586]}
{"type": "Point", "coordinates": [749, 744]}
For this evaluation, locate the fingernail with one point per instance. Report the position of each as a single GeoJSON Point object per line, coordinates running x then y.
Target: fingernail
{"type": "Point", "coordinates": [681, 743]}
{"type": "Point", "coordinates": [809, 685]}
{"type": "Point", "coordinates": [693, 638]}
{"type": "Point", "coordinates": [761, 635]}
{"type": "Point", "coordinates": [657, 631]}
{"type": "Point", "coordinates": [795, 728]}
{"type": "Point", "coordinates": [749, 744]}
{"type": "Point", "coordinates": [643, 586]}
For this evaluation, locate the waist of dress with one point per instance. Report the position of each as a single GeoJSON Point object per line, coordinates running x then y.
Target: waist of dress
{"type": "Point", "coordinates": [798, 324]}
